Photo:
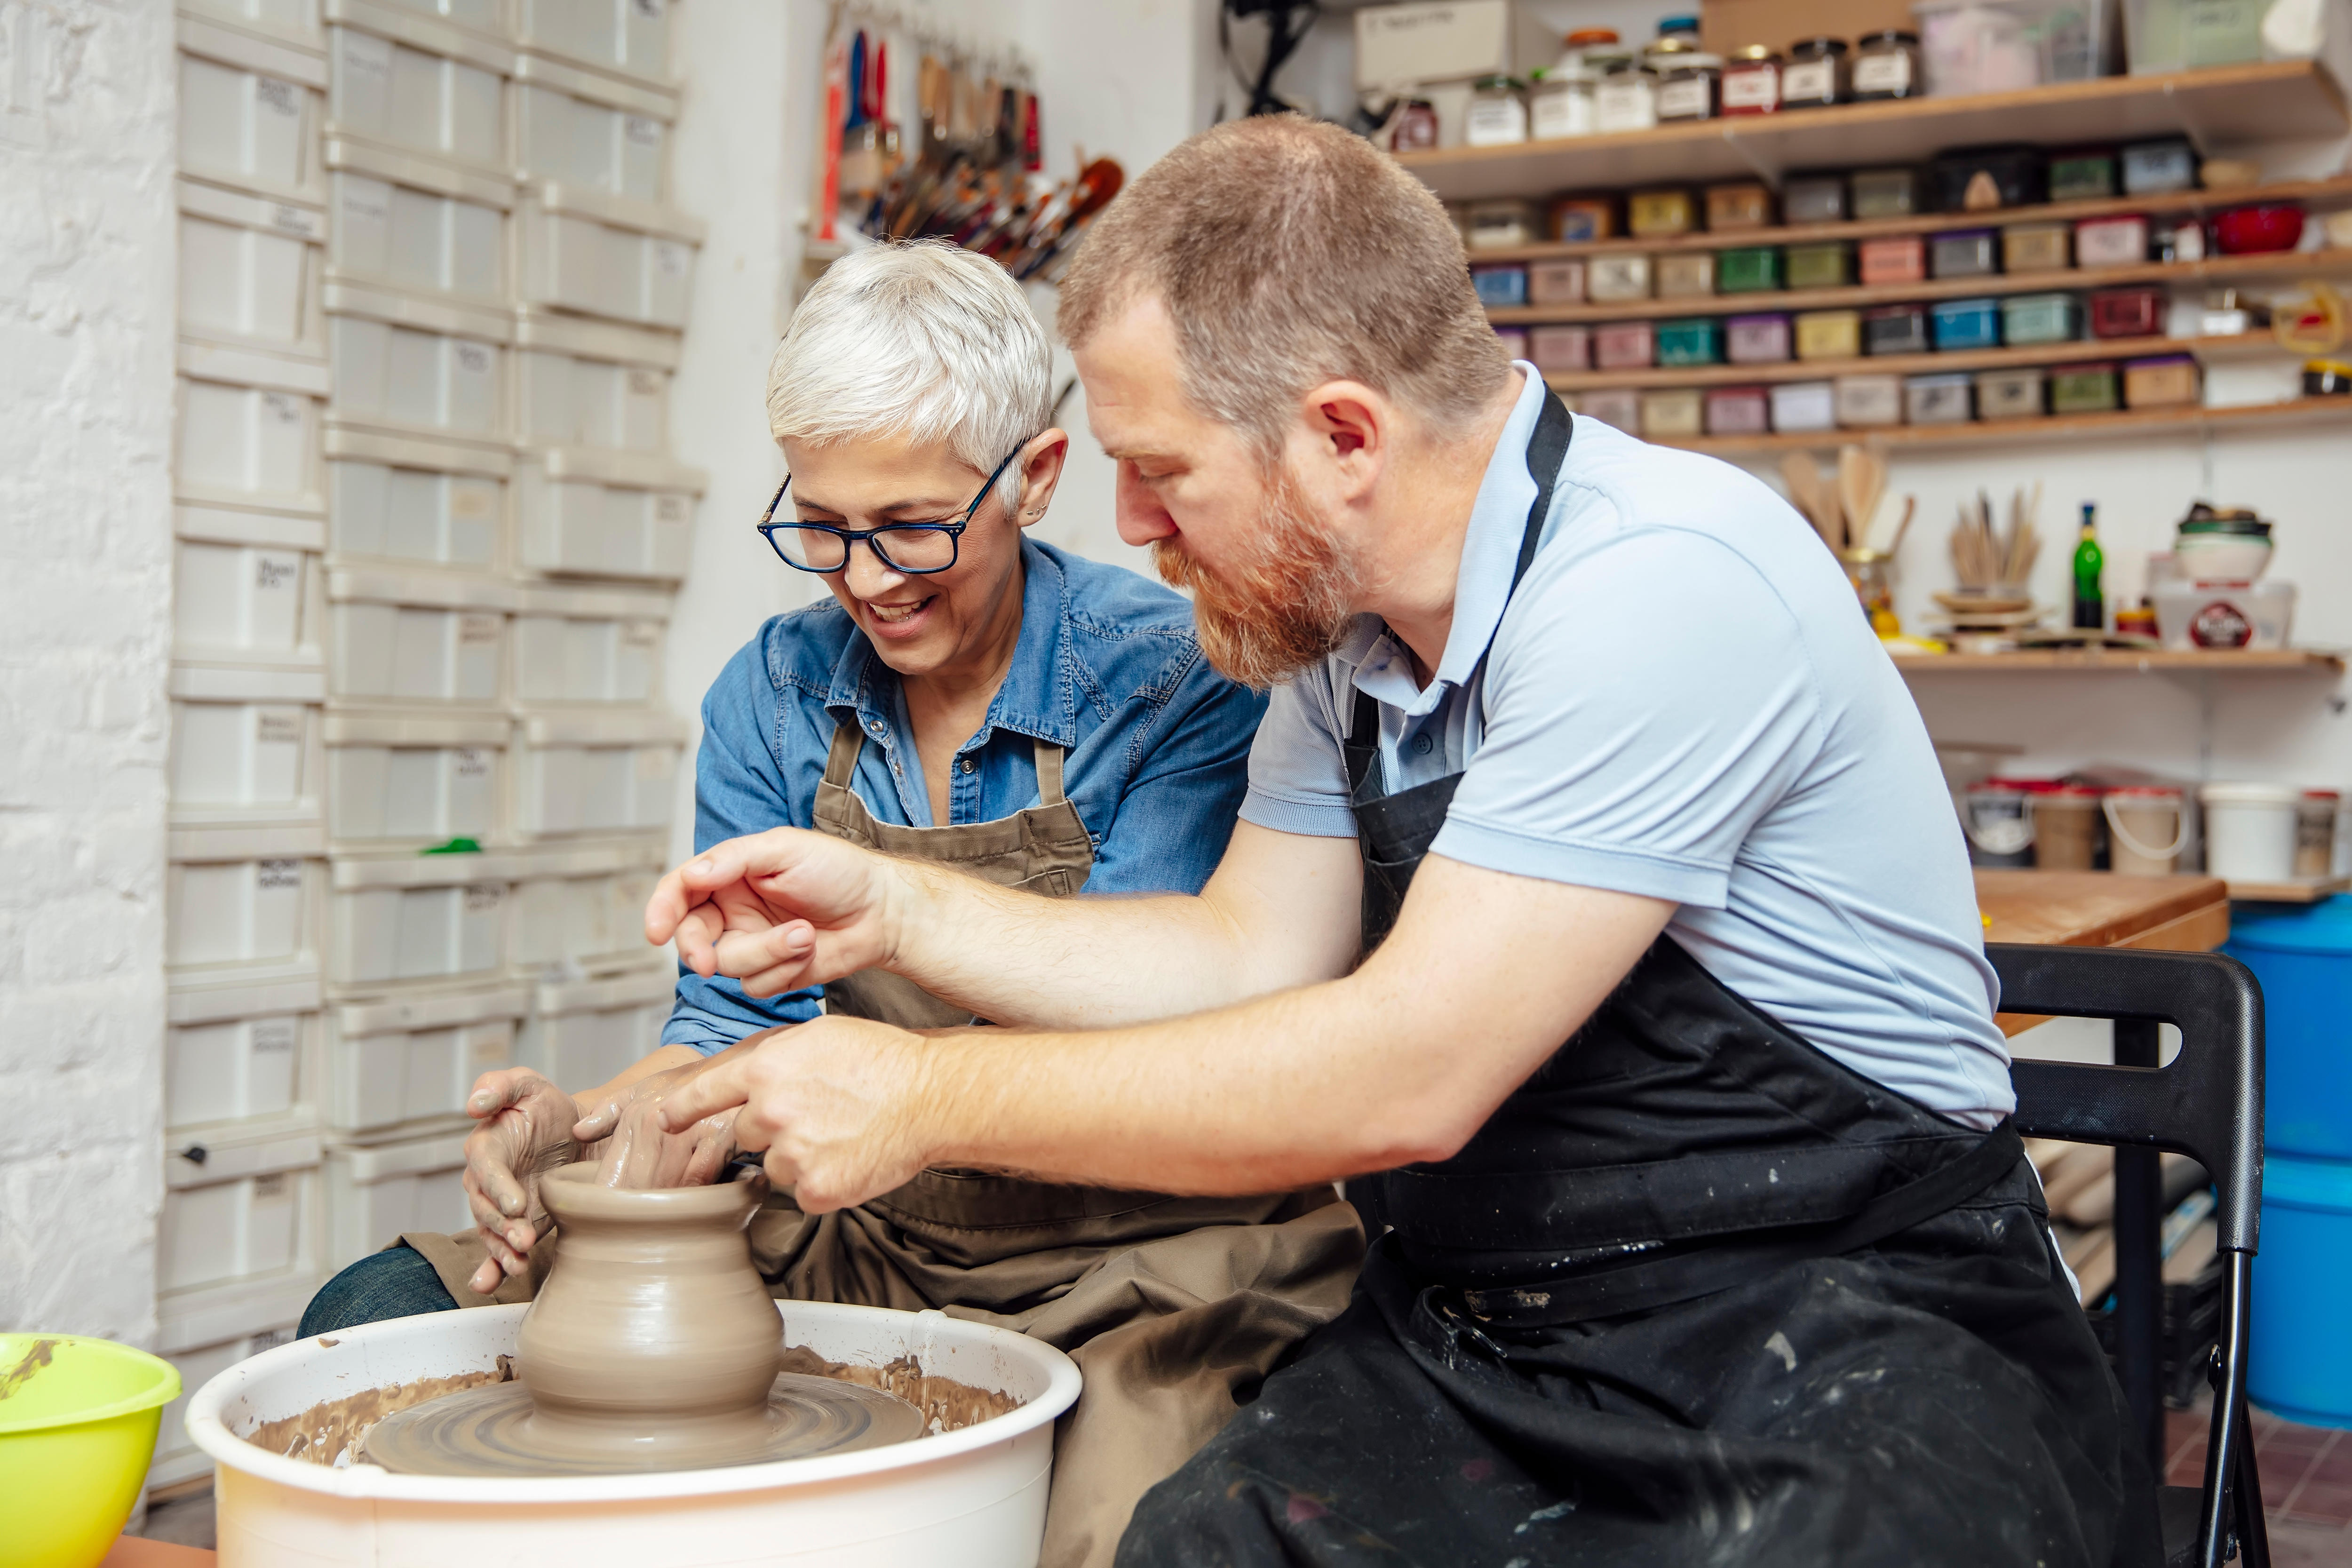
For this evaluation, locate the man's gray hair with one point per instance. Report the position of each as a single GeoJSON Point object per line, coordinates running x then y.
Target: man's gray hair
{"type": "Point", "coordinates": [919, 340]}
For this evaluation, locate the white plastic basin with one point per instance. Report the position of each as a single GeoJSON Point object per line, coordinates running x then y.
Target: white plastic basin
{"type": "Point", "coordinates": [975, 1498]}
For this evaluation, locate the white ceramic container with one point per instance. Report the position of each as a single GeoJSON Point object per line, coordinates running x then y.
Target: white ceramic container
{"type": "Point", "coordinates": [972, 1498]}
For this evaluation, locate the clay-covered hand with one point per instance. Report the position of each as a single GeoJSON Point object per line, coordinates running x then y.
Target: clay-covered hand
{"type": "Point", "coordinates": [639, 1152]}
{"type": "Point", "coordinates": [836, 1103]}
{"type": "Point", "coordinates": [777, 911]}
{"type": "Point", "coordinates": [525, 1132]}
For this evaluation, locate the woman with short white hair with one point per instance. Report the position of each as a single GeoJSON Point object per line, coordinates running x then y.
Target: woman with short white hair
{"type": "Point", "coordinates": [969, 696]}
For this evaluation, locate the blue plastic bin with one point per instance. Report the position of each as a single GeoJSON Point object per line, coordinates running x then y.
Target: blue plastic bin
{"type": "Point", "coordinates": [2303, 960]}
{"type": "Point", "coordinates": [2302, 1365]}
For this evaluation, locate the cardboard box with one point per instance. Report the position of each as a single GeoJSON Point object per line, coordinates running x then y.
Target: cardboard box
{"type": "Point", "coordinates": [1436, 40]}
{"type": "Point", "coordinates": [1728, 24]}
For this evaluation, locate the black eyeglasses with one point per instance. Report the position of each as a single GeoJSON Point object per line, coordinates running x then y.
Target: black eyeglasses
{"type": "Point", "coordinates": [915, 548]}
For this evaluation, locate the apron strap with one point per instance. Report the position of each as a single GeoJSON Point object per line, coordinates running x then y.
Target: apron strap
{"type": "Point", "coordinates": [841, 758]}
{"type": "Point", "coordinates": [1049, 772]}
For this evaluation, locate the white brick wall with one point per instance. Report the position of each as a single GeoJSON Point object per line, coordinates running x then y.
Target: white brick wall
{"type": "Point", "coordinates": [86, 311]}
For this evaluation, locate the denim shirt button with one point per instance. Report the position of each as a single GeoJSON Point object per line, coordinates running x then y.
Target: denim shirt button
{"type": "Point", "coordinates": [967, 764]}
{"type": "Point", "coordinates": [875, 725]}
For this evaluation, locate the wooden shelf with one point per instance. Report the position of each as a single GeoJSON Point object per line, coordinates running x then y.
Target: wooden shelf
{"type": "Point", "coordinates": [2276, 264]}
{"type": "Point", "coordinates": [2316, 193]}
{"type": "Point", "coordinates": [1905, 364]}
{"type": "Point", "coordinates": [2300, 890]}
{"type": "Point", "coordinates": [2124, 661]}
{"type": "Point", "coordinates": [2124, 423]}
{"type": "Point", "coordinates": [2233, 104]}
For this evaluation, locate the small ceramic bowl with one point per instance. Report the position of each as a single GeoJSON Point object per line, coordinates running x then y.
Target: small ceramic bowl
{"type": "Point", "coordinates": [2222, 557]}
{"type": "Point", "coordinates": [2265, 226]}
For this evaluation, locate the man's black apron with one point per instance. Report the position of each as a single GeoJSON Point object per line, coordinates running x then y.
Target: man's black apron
{"type": "Point", "coordinates": [1695, 1292]}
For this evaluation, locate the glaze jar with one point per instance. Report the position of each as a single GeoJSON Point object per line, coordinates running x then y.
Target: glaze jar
{"type": "Point", "coordinates": [1501, 224]}
{"type": "Point", "coordinates": [1626, 98]}
{"type": "Point", "coordinates": [1886, 65]}
{"type": "Point", "coordinates": [1965, 325]}
{"type": "Point", "coordinates": [1416, 127]}
{"type": "Point", "coordinates": [1964, 253]}
{"type": "Point", "coordinates": [1497, 115]}
{"type": "Point", "coordinates": [2031, 319]}
{"type": "Point", "coordinates": [1561, 104]}
{"type": "Point", "coordinates": [1751, 81]}
{"type": "Point", "coordinates": [1504, 287]}
{"type": "Point", "coordinates": [1814, 76]}
{"type": "Point", "coordinates": [2136, 310]}
{"type": "Point", "coordinates": [2082, 389]}
{"type": "Point", "coordinates": [2082, 175]}
{"type": "Point", "coordinates": [1749, 270]}
{"type": "Point", "coordinates": [1686, 84]}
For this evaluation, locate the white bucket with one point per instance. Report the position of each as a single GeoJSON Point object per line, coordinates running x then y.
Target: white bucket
{"type": "Point", "coordinates": [2146, 828]}
{"type": "Point", "coordinates": [1998, 823]}
{"type": "Point", "coordinates": [2250, 831]}
{"type": "Point", "coordinates": [974, 1497]}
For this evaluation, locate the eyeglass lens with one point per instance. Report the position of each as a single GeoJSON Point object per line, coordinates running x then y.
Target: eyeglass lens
{"type": "Point", "coordinates": [906, 549]}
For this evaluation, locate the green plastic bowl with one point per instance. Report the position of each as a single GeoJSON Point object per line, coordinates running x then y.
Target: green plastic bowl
{"type": "Point", "coordinates": [78, 1420]}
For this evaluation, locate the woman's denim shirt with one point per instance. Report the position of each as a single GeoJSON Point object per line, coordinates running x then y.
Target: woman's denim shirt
{"type": "Point", "coordinates": [1107, 667]}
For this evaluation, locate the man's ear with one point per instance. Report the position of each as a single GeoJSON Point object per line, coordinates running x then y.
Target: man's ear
{"type": "Point", "coordinates": [1347, 428]}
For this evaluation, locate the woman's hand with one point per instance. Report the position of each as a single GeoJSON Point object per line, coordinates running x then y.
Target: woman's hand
{"type": "Point", "coordinates": [526, 1131]}
{"type": "Point", "coordinates": [778, 910]}
{"type": "Point", "coordinates": [639, 1152]}
{"type": "Point", "coordinates": [838, 1103]}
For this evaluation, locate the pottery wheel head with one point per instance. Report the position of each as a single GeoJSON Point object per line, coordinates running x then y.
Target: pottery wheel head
{"type": "Point", "coordinates": [491, 1431]}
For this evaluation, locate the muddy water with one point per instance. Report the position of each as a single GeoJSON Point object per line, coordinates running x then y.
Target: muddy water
{"type": "Point", "coordinates": [947, 1405]}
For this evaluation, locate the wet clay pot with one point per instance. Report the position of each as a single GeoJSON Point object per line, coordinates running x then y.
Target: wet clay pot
{"type": "Point", "coordinates": [653, 1334]}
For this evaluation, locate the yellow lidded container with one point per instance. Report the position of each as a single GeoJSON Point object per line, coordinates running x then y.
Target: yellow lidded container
{"type": "Point", "coordinates": [1828, 334]}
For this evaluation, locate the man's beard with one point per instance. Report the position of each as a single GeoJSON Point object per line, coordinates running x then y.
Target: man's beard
{"type": "Point", "coordinates": [1267, 618]}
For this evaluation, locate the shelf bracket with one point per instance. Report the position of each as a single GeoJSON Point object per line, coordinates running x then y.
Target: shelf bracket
{"type": "Point", "coordinates": [1747, 155]}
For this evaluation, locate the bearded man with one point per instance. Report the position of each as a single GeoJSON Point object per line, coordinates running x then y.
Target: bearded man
{"type": "Point", "coordinates": [1597, 913]}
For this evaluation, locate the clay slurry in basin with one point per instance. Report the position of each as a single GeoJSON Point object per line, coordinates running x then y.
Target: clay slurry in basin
{"type": "Point", "coordinates": [652, 1346]}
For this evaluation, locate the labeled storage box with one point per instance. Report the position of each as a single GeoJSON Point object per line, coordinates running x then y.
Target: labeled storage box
{"type": "Point", "coordinates": [1685, 275]}
{"type": "Point", "coordinates": [2010, 394]}
{"type": "Point", "coordinates": [242, 898]}
{"type": "Point", "coordinates": [1623, 345]}
{"type": "Point", "coordinates": [247, 427]}
{"type": "Point", "coordinates": [1829, 265]}
{"type": "Point", "coordinates": [1962, 324]}
{"type": "Point", "coordinates": [254, 755]}
{"type": "Point", "coordinates": [1828, 334]}
{"type": "Point", "coordinates": [604, 514]}
{"type": "Point", "coordinates": [242, 1055]}
{"type": "Point", "coordinates": [2083, 389]}
{"type": "Point", "coordinates": [1697, 341]}
{"type": "Point", "coordinates": [236, 599]}
{"type": "Point", "coordinates": [415, 637]}
{"type": "Point", "coordinates": [376, 1193]}
{"type": "Point", "coordinates": [611, 36]}
{"type": "Point", "coordinates": [1941, 399]}
{"type": "Point", "coordinates": [412, 1060]}
{"type": "Point", "coordinates": [2027, 319]}
{"type": "Point", "coordinates": [590, 645]}
{"type": "Point", "coordinates": [2160, 168]}
{"type": "Point", "coordinates": [416, 225]}
{"type": "Point", "coordinates": [243, 1211]}
{"type": "Point", "coordinates": [1673, 414]}
{"type": "Point", "coordinates": [1757, 340]}
{"type": "Point", "coordinates": [2037, 248]}
{"type": "Point", "coordinates": [2137, 311]}
{"type": "Point", "coordinates": [585, 1031]}
{"type": "Point", "coordinates": [581, 910]}
{"type": "Point", "coordinates": [1743, 204]}
{"type": "Point", "coordinates": [1498, 287]}
{"type": "Point", "coordinates": [1964, 253]}
{"type": "Point", "coordinates": [416, 918]}
{"type": "Point", "coordinates": [592, 130]}
{"type": "Point", "coordinates": [596, 773]}
{"type": "Point", "coordinates": [423, 366]}
{"type": "Point", "coordinates": [249, 111]}
{"type": "Point", "coordinates": [1660, 215]}
{"type": "Point", "coordinates": [1616, 278]}
{"type": "Point", "coordinates": [1894, 330]}
{"type": "Point", "coordinates": [1864, 401]}
{"type": "Point", "coordinates": [249, 270]}
{"type": "Point", "coordinates": [1802, 406]}
{"type": "Point", "coordinates": [1738, 411]}
{"type": "Point", "coordinates": [403, 498]}
{"type": "Point", "coordinates": [1578, 219]}
{"type": "Point", "coordinates": [1749, 270]}
{"type": "Point", "coordinates": [2166, 382]}
{"type": "Point", "coordinates": [594, 384]}
{"type": "Point", "coordinates": [419, 778]}
{"type": "Point", "coordinates": [2111, 241]}
{"type": "Point", "coordinates": [602, 255]}
{"type": "Point", "coordinates": [1901, 258]}
{"type": "Point", "coordinates": [1556, 282]}
{"type": "Point", "coordinates": [1556, 350]}
{"type": "Point", "coordinates": [403, 77]}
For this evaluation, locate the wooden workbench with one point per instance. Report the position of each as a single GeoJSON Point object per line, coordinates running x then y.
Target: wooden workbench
{"type": "Point", "coordinates": [2098, 908]}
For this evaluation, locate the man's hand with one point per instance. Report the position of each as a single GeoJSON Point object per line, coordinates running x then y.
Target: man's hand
{"type": "Point", "coordinates": [527, 1130]}
{"type": "Point", "coordinates": [838, 1103]}
{"type": "Point", "coordinates": [777, 911]}
{"type": "Point", "coordinates": [638, 1150]}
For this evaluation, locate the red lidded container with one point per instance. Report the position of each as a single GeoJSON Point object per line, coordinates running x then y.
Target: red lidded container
{"type": "Point", "coordinates": [2135, 312]}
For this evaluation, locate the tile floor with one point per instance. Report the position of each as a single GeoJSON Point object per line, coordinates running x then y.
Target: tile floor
{"type": "Point", "coordinates": [2306, 1483]}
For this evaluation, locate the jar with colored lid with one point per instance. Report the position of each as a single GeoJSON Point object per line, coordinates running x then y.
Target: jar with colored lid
{"type": "Point", "coordinates": [1560, 104]}
{"type": "Point", "coordinates": [1886, 65]}
{"type": "Point", "coordinates": [1686, 84]}
{"type": "Point", "coordinates": [2326, 378]}
{"type": "Point", "coordinates": [1416, 127]}
{"type": "Point", "coordinates": [1497, 115]}
{"type": "Point", "coordinates": [2036, 248]}
{"type": "Point", "coordinates": [1751, 81]}
{"type": "Point", "coordinates": [1815, 74]}
{"type": "Point", "coordinates": [1627, 97]}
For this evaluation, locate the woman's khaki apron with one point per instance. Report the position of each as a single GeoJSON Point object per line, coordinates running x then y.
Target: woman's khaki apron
{"type": "Point", "coordinates": [1174, 1309]}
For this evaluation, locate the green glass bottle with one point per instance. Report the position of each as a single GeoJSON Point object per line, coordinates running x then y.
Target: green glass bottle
{"type": "Point", "coordinates": [2090, 603]}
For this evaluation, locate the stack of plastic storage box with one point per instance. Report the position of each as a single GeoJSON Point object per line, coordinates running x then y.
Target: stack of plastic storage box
{"type": "Point", "coordinates": [428, 537]}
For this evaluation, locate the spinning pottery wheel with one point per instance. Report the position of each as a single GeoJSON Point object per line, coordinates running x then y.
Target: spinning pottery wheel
{"type": "Point", "coordinates": [652, 1346]}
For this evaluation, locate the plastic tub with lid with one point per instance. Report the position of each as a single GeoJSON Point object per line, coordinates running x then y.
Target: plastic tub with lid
{"type": "Point", "coordinates": [2250, 831]}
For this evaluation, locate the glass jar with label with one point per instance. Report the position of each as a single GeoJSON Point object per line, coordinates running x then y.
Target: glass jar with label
{"type": "Point", "coordinates": [1416, 127]}
{"type": "Point", "coordinates": [1583, 43]}
{"type": "Point", "coordinates": [1627, 97]}
{"type": "Point", "coordinates": [1886, 65]}
{"type": "Point", "coordinates": [1815, 77]}
{"type": "Point", "coordinates": [1497, 115]}
{"type": "Point", "coordinates": [1687, 83]}
{"type": "Point", "coordinates": [1560, 103]}
{"type": "Point", "coordinates": [1751, 81]}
